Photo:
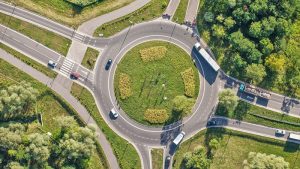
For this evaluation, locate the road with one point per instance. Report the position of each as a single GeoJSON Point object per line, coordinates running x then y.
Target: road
{"type": "Point", "coordinates": [192, 11]}
{"type": "Point", "coordinates": [101, 82]}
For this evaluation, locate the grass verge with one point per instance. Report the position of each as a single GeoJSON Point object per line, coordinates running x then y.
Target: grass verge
{"type": "Point", "coordinates": [258, 115]}
{"type": "Point", "coordinates": [235, 146]}
{"type": "Point", "coordinates": [124, 151]}
{"type": "Point", "coordinates": [180, 11]}
{"type": "Point", "coordinates": [69, 14]}
{"type": "Point", "coordinates": [90, 58]}
{"type": "Point", "coordinates": [153, 9]}
{"type": "Point", "coordinates": [157, 158]}
{"type": "Point", "coordinates": [52, 106]}
{"type": "Point", "coordinates": [56, 42]}
{"type": "Point", "coordinates": [36, 65]}
{"type": "Point", "coordinates": [154, 84]}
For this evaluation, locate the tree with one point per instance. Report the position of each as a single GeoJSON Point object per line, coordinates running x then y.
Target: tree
{"type": "Point", "coordinates": [197, 159]}
{"type": "Point", "coordinates": [255, 73]}
{"type": "Point", "coordinates": [282, 27]}
{"type": "Point", "coordinates": [213, 146]}
{"type": "Point", "coordinates": [266, 46]}
{"type": "Point", "coordinates": [17, 99]}
{"type": "Point", "coordinates": [11, 137]}
{"type": "Point", "coordinates": [263, 161]}
{"type": "Point", "coordinates": [241, 43]}
{"type": "Point", "coordinates": [209, 17]}
{"type": "Point", "coordinates": [276, 63]}
{"type": "Point", "coordinates": [14, 165]}
{"type": "Point", "coordinates": [255, 29]}
{"type": "Point", "coordinates": [228, 100]}
{"type": "Point", "coordinates": [220, 18]}
{"type": "Point", "coordinates": [183, 105]}
{"type": "Point", "coordinates": [76, 145]}
{"type": "Point", "coordinates": [295, 83]}
{"type": "Point", "coordinates": [232, 3]}
{"type": "Point", "coordinates": [38, 149]}
{"type": "Point", "coordinates": [218, 31]}
{"type": "Point", "coordinates": [259, 7]}
{"type": "Point", "coordinates": [229, 23]}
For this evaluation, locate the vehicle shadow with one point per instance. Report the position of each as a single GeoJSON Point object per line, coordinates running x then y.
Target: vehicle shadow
{"type": "Point", "coordinates": [208, 73]}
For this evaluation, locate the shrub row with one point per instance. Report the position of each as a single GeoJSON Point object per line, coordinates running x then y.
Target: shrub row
{"type": "Point", "coordinates": [156, 116]}
{"type": "Point", "coordinates": [82, 3]}
{"type": "Point", "coordinates": [189, 82]}
{"type": "Point", "coordinates": [153, 53]}
{"type": "Point", "coordinates": [124, 86]}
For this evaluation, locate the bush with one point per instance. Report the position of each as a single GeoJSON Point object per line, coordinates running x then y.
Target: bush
{"type": "Point", "coordinates": [183, 105]}
{"type": "Point", "coordinates": [189, 82]}
{"type": "Point", "coordinates": [82, 3]}
{"type": "Point", "coordinates": [153, 53]}
{"type": "Point", "coordinates": [156, 116]}
{"type": "Point", "coordinates": [125, 86]}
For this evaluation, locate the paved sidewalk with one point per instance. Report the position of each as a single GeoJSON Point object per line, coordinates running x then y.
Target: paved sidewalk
{"type": "Point", "coordinates": [56, 86]}
{"type": "Point", "coordinates": [171, 9]}
{"type": "Point", "coordinates": [90, 26]}
{"type": "Point", "coordinates": [192, 10]}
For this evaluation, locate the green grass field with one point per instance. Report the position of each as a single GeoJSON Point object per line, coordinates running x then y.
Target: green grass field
{"type": "Point", "coordinates": [148, 79]}
{"type": "Point", "coordinates": [157, 158]}
{"type": "Point", "coordinates": [43, 69]}
{"type": "Point", "coordinates": [69, 14]}
{"type": "Point", "coordinates": [124, 151]}
{"type": "Point", "coordinates": [90, 58]}
{"type": "Point", "coordinates": [235, 146]}
{"type": "Point", "coordinates": [152, 10]}
{"type": "Point", "coordinates": [49, 103]}
{"type": "Point", "coordinates": [180, 11]}
{"type": "Point", "coordinates": [54, 41]}
{"type": "Point", "coordinates": [247, 112]}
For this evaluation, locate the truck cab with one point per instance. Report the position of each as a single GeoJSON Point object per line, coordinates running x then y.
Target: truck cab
{"type": "Point", "coordinates": [179, 138]}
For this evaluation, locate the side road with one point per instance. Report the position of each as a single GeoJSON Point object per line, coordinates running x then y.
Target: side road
{"type": "Point", "coordinates": [57, 87]}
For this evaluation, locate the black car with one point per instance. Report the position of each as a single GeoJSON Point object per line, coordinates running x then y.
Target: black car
{"type": "Point", "coordinates": [212, 123]}
{"type": "Point", "coordinates": [108, 64]}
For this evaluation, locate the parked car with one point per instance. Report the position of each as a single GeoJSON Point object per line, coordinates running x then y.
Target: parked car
{"type": "Point", "coordinates": [279, 132]}
{"type": "Point", "coordinates": [114, 113]}
{"type": "Point", "coordinates": [108, 64]}
{"type": "Point", "coordinates": [242, 87]}
{"type": "Point", "coordinates": [179, 138]}
{"type": "Point", "coordinates": [74, 75]}
{"type": "Point", "coordinates": [52, 64]}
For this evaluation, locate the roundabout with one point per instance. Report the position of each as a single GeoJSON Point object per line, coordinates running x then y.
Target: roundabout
{"type": "Point", "coordinates": [156, 83]}
{"type": "Point", "coordinates": [143, 136]}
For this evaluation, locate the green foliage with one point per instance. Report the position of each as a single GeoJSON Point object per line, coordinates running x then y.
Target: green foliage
{"type": "Point", "coordinates": [82, 3]}
{"type": "Point", "coordinates": [16, 99]}
{"type": "Point", "coordinates": [245, 32]}
{"type": "Point", "coordinates": [276, 63]}
{"type": "Point", "coordinates": [183, 105]}
{"type": "Point", "coordinates": [209, 17]}
{"type": "Point", "coordinates": [255, 73]}
{"type": "Point", "coordinates": [228, 100]}
{"type": "Point", "coordinates": [156, 116]}
{"type": "Point", "coordinates": [196, 159]}
{"type": "Point", "coordinates": [263, 161]}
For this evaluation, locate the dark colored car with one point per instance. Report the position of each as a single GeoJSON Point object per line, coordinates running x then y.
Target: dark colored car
{"type": "Point", "coordinates": [74, 75]}
{"type": "Point", "coordinates": [108, 64]}
{"type": "Point", "coordinates": [211, 123]}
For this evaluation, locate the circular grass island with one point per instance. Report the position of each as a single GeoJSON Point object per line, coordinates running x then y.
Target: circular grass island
{"type": "Point", "coordinates": [156, 83]}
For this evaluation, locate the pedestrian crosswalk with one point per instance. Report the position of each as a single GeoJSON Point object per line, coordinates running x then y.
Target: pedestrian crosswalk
{"type": "Point", "coordinates": [67, 66]}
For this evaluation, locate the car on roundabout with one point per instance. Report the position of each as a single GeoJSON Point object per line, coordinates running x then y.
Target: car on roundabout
{"type": "Point", "coordinates": [212, 123]}
{"type": "Point", "coordinates": [108, 64]}
{"type": "Point", "coordinates": [114, 113]}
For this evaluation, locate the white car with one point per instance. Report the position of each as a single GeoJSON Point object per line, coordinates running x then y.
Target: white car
{"type": "Point", "coordinates": [114, 113]}
{"type": "Point", "coordinates": [280, 132]}
{"type": "Point", "coordinates": [52, 64]}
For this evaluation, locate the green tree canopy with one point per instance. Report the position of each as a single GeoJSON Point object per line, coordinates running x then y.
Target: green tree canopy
{"type": "Point", "coordinates": [196, 159]}
{"type": "Point", "coordinates": [255, 73]}
{"type": "Point", "coordinates": [228, 99]}
{"type": "Point", "coordinates": [183, 104]}
{"type": "Point", "coordinates": [264, 161]}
